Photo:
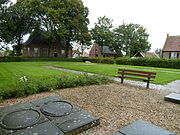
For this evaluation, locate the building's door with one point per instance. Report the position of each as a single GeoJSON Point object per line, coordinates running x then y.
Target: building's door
{"type": "Point", "coordinates": [55, 54]}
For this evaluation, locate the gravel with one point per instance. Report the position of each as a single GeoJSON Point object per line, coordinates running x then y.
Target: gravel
{"type": "Point", "coordinates": [117, 105]}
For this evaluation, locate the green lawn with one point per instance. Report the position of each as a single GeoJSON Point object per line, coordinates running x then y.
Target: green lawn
{"type": "Point", "coordinates": [164, 75]}
{"type": "Point", "coordinates": [39, 79]}
{"type": "Point", "coordinates": [12, 71]}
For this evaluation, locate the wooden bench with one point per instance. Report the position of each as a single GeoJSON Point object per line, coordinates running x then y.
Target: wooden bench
{"type": "Point", "coordinates": [142, 75]}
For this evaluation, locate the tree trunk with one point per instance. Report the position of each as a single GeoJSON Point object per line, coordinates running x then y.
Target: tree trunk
{"type": "Point", "coordinates": [67, 49]}
{"type": "Point", "coordinates": [18, 47]}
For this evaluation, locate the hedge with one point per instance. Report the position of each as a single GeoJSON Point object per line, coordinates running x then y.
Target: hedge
{"type": "Point", "coordinates": [31, 59]}
{"type": "Point", "coordinates": [151, 62]}
{"type": "Point", "coordinates": [33, 85]}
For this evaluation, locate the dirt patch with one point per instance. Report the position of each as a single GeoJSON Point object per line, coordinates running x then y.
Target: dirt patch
{"type": "Point", "coordinates": [118, 105]}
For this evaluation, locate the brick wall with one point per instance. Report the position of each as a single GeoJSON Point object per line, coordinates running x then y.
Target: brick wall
{"type": "Point", "coordinates": [166, 55]}
{"type": "Point", "coordinates": [95, 51]}
{"type": "Point", "coordinates": [43, 51]}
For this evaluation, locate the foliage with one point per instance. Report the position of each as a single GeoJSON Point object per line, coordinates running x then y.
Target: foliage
{"type": "Point", "coordinates": [4, 34]}
{"type": "Point", "coordinates": [83, 43]}
{"type": "Point", "coordinates": [102, 32]}
{"type": "Point", "coordinates": [16, 22]}
{"type": "Point", "coordinates": [29, 59]}
{"type": "Point", "coordinates": [60, 20]}
{"type": "Point", "coordinates": [64, 20]}
{"type": "Point", "coordinates": [131, 38]}
{"type": "Point", "coordinates": [32, 85]}
{"type": "Point", "coordinates": [128, 38]}
{"type": "Point", "coordinates": [151, 62]}
{"type": "Point", "coordinates": [158, 51]}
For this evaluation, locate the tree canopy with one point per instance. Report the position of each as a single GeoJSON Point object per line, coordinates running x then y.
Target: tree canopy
{"type": "Point", "coordinates": [57, 19]}
{"type": "Point", "coordinates": [60, 19]}
{"type": "Point", "coordinates": [15, 23]}
{"type": "Point", "coordinates": [126, 38]}
{"type": "Point", "coordinates": [158, 51]}
{"type": "Point", "coordinates": [102, 32]}
{"type": "Point", "coordinates": [131, 38]}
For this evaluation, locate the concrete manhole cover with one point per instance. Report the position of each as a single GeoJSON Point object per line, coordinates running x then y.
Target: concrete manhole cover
{"type": "Point", "coordinates": [20, 119]}
{"type": "Point", "coordinates": [56, 108]}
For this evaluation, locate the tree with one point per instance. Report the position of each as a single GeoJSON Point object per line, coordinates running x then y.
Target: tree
{"type": "Point", "coordinates": [131, 38]}
{"type": "Point", "coordinates": [15, 23]}
{"type": "Point", "coordinates": [84, 41]}
{"type": "Point", "coordinates": [158, 51]}
{"type": "Point", "coordinates": [102, 32]}
{"type": "Point", "coordinates": [3, 8]}
{"type": "Point", "coordinates": [60, 19]}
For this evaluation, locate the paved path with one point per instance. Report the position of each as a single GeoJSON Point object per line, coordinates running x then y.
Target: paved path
{"type": "Point", "coordinates": [173, 86]}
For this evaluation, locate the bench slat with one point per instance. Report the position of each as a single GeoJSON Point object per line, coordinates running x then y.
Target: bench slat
{"type": "Point", "coordinates": [143, 72]}
{"type": "Point", "coordinates": [148, 76]}
{"type": "Point", "coordinates": [135, 78]}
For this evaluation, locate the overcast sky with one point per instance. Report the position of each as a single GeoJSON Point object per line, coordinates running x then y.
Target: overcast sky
{"type": "Point", "coordinates": [159, 17]}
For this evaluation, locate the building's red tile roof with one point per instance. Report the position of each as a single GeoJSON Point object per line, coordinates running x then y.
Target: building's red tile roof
{"type": "Point", "coordinates": [172, 43]}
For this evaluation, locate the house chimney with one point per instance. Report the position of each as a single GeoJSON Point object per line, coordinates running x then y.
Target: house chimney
{"type": "Point", "coordinates": [167, 35]}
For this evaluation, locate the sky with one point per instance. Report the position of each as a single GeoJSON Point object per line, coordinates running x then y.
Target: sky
{"type": "Point", "coordinates": [159, 17]}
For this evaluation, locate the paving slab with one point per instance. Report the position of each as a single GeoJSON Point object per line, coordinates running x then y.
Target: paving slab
{"type": "Point", "coordinates": [15, 107]}
{"type": "Point", "coordinates": [54, 106]}
{"type": "Point", "coordinates": [118, 133]}
{"type": "Point", "coordinates": [173, 97]}
{"type": "Point", "coordinates": [75, 122]}
{"type": "Point", "coordinates": [47, 116]}
{"type": "Point", "coordinates": [141, 127]}
{"type": "Point", "coordinates": [41, 101]}
{"type": "Point", "coordinates": [18, 118]}
{"type": "Point", "coordinates": [42, 129]}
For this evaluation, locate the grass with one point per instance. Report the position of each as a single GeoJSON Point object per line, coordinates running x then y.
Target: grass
{"type": "Point", "coordinates": [11, 72]}
{"type": "Point", "coordinates": [164, 75]}
{"type": "Point", "coordinates": [39, 79]}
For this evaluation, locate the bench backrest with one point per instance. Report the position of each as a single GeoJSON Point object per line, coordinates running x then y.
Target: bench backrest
{"type": "Point", "coordinates": [137, 73]}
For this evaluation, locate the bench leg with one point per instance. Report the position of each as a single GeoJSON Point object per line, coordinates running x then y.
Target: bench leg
{"type": "Point", "coordinates": [147, 84]}
{"type": "Point", "coordinates": [122, 80]}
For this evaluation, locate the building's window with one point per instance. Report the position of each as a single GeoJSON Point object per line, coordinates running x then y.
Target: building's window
{"type": "Point", "coordinates": [36, 52]}
{"type": "Point", "coordinates": [62, 52]}
{"type": "Point", "coordinates": [174, 54]}
{"type": "Point", "coordinates": [44, 52]}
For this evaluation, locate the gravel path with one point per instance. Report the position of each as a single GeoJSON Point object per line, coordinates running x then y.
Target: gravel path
{"type": "Point", "coordinates": [173, 86]}
{"type": "Point", "coordinates": [117, 105]}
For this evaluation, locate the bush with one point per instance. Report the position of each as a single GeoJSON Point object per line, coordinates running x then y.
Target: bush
{"type": "Point", "coordinates": [151, 62]}
{"type": "Point", "coordinates": [32, 59]}
{"type": "Point", "coordinates": [32, 85]}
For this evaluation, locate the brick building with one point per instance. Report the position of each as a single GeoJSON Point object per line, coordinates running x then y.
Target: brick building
{"type": "Point", "coordinates": [171, 47]}
{"type": "Point", "coordinates": [38, 46]}
{"type": "Point", "coordinates": [96, 51]}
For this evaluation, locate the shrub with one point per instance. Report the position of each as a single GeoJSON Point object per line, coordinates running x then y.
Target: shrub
{"type": "Point", "coordinates": [32, 85]}
{"type": "Point", "coordinates": [32, 59]}
{"type": "Point", "coordinates": [151, 62]}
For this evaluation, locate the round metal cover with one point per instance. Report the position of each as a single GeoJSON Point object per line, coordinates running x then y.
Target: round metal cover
{"type": "Point", "coordinates": [56, 108]}
{"type": "Point", "coordinates": [20, 119]}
